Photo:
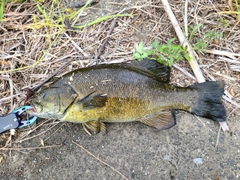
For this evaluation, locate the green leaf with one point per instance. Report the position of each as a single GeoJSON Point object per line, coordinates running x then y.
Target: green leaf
{"type": "Point", "coordinates": [185, 48]}
{"type": "Point", "coordinates": [193, 31]}
{"type": "Point", "coordinates": [137, 56]}
{"type": "Point", "coordinates": [179, 57]}
{"type": "Point", "coordinates": [177, 47]}
{"type": "Point", "coordinates": [140, 48]}
{"type": "Point", "coordinates": [170, 41]}
{"type": "Point", "coordinates": [149, 52]}
{"type": "Point", "coordinates": [161, 48]}
{"type": "Point", "coordinates": [144, 55]}
{"type": "Point", "coordinates": [155, 44]}
{"type": "Point", "coordinates": [187, 57]}
{"type": "Point", "coordinates": [161, 60]}
{"type": "Point", "coordinates": [1, 9]}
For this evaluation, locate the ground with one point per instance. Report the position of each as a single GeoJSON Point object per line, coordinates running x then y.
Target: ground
{"type": "Point", "coordinates": [195, 148]}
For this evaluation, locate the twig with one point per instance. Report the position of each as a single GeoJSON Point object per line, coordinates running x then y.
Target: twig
{"type": "Point", "coordinates": [99, 159]}
{"type": "Point", "coordinates": [184, 71]}
{"type": "Point", "coordinates": [231, 101]}
{"type": "Point", "coordinates": [219, 131]}
{"type": "Point", "coordinates": [11, 89]}
{"type": "Point", "coordinates": [30, 148]}
{"type": "Point", "coordinates": [102, 48]}
{"type": "Point", "coordinates": [229, 60]}
{"type": "Point", "coordinates": [185, 19]}
{"type": "Point", "coordinates": [76, 46]}
{"type": "Point", "coordinates": [37, 134]}
{"type": "Point", "coordinates": [223, 53]}
{"type": "Point", "coordinates": [9, 97]}
{"type": "Point", "coordinates": [83, 3]}
{"type": "Point", "coordinates": [54, 131]}
{"type": "Point", "coordinates": [50, 77]}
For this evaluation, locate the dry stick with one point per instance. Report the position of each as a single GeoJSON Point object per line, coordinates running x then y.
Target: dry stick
{"type": "Point", "coordinates": [193, 63]}
{"type": "Point", "coordinates": [185, 19]}
{"type": "Point", "coordinates": [76, 46]}
{"type": "Point", "coordinates": [50, 77]}
{"type": "Point", "coordinates": [223, 53]}
{"type": "Point", "coordinates": [30, 148]}
{"type": "Point", "coordinates": [99, 159]}
{"type": "Point", "coordinates": [37, 134]}
{"type": "Point", "coordinates": [34, 129]}
{"type": "Point", "coordinates": [102, 48]}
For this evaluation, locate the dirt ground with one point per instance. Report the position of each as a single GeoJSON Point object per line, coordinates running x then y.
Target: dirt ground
{"type": "Point", "coordinates": [193, 149]}
{"type": "Point", "coordinates": [187, 151]}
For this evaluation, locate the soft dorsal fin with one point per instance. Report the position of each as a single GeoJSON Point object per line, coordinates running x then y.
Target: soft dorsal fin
{"type": "Point", "coordinates": [160, 71]}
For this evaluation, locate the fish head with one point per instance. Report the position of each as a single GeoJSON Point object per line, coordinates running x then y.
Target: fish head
{"type": "Point", "coordinates": [52, 102]}
{"type": "Point", "coordinates": [46, 103]}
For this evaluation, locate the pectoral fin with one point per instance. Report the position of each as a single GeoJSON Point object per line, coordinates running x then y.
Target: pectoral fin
{"type": "Point", "coordinates": [96, 126]}
{"type": "Point", "coordinates": [96, 101]}
{"type": "Point", "coordinates": [162, 120]}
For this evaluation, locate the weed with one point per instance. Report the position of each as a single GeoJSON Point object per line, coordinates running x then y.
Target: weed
{"type": "Point", "coordinates": [141, 53]}
{"type": "Point", "coordinates": [224, 22]}
{"type": "Point", "coordinates": [170, 53]}
{"type": "Point", "coordinates": [53, 18]}
{"type": "Point", "coordinates": [201, 44]}
{"type": "Point", "coordinates": [166, 54]}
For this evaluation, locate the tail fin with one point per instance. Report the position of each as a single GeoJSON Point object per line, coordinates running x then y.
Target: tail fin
{"type": "Point", "coordinates": [209, 104]}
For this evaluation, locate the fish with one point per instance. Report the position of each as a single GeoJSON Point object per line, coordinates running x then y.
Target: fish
{"type": "Point", "coordinates": [126, 92]}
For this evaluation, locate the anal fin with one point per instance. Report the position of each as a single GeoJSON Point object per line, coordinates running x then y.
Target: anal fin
{"type": "Point", "coordinates": [161, 120]}
{"type": "Point", "coordinates": [96, 126]}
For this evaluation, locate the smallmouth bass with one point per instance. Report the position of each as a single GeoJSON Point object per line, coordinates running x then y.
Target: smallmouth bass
{"type": "Point", "coordinates": [124, 93]}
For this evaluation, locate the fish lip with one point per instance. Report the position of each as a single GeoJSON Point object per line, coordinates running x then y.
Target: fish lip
{"type": "Point", "coordinates": [34, 109]}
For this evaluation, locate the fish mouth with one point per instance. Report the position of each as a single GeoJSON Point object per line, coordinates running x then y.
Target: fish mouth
{"type": "Point", "coordinates": [32, 111]}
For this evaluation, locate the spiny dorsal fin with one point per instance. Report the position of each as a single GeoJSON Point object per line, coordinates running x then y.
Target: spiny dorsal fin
{"type": "Point", "coordinates": [160, 71]}
{"type": "Point", "coordinates": [162, 120]}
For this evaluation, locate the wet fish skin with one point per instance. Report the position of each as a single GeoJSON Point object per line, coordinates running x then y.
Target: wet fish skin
{"type": "Point", "coordinates": [125, 93]}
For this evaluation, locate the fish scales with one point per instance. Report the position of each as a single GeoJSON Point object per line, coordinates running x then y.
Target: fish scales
{"type": "Point", "coordinates": [134, 93]}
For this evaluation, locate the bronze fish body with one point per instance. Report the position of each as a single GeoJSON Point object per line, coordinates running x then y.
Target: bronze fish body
{"type": "Point", "coordinates": [124, 93]}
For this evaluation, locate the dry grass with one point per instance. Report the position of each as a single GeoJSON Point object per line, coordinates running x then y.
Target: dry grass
{"type": "Point", "coordinates": [33, 46]}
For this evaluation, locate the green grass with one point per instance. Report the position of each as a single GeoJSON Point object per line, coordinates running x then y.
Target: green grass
{"type": "Point", "coordinates": [1, 9]}
{"type": "Point", "coordinates": [234, 8]}
{"type": "Point", "coordinates": [200, 44]}
{"type": "Point", "coordinates": [2, 3]}
{"type": "Point", "coordinates": [53, 18]}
